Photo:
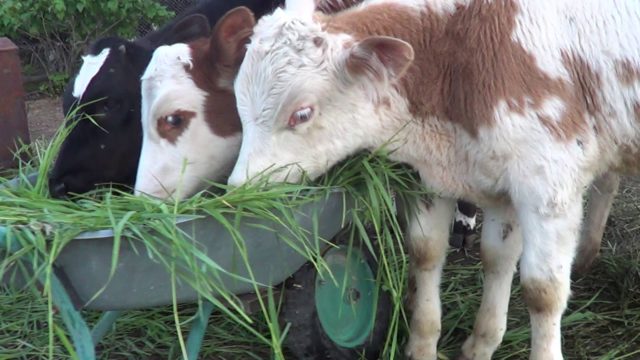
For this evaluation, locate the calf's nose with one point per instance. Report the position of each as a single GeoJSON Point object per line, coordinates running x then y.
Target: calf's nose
{"type": "Point", "coordinates": [57, 189]}
{"type": "Point", "coordinates": [236, 179]}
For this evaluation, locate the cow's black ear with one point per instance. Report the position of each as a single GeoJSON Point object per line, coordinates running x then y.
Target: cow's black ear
{"type": "Point", "coordinates": [190, 28]}
{"type": "Point", "coordinates": [135, 54]}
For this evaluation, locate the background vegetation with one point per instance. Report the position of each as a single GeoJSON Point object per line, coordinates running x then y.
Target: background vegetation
{"type": "Point", "coordinates": [52, 34]}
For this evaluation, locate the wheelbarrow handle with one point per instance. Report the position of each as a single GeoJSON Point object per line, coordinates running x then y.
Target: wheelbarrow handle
{"type": "Point", "coordinates": [6, 240]}
{"type": "Point", "coordinates": [72, 318]}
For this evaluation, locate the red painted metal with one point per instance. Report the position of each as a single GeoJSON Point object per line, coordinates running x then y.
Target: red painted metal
{"type": "Point", "coordinates": [13, 117]}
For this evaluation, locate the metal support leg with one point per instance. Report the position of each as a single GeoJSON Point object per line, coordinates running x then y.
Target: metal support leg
{"type": "Point", "coordinates": [194, 342]}
{"type": "Point", "coordinates": [103, 325]}
{"type": "Point", "coordinates": [74, 322]}
{"type": "Point", "coordinates": [77, 327]}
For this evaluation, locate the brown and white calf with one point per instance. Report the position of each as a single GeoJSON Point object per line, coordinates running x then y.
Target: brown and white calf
{"type": "Point", "coordinates": [191, 128]}
{"type": "Point", "coordinates": [516, 105]}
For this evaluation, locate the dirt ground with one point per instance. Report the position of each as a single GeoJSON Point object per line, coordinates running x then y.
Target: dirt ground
{"type": "Point", "coordinates": [44, 116]}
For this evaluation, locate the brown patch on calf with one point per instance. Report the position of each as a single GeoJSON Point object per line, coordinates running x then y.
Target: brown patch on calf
{"type": "Point", "coordinates": [422, 256]}
{"type": "Point", "coordinates": [627, 72]}
{"type": "Point", "coordinates": [541, 296]}
{"type": "Point", "coordinates": [586, 85]}
{"type": "Point", "coordinates": [220, 105]}
{"type": "Point", "coordinates": [466, 63]}
{"type": "Point", "coordinates": [506, 231]}
{"type": "Point", "coordinates": [172, 132]}
{"type": "Point", "coordinates": [636, 110]}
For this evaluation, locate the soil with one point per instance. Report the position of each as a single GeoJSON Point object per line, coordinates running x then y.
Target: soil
{"type": "Point", "coordinates": [44, 116]}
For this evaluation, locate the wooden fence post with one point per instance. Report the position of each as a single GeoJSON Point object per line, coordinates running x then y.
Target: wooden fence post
{"type": "Point", "coordinates": [13, 118]}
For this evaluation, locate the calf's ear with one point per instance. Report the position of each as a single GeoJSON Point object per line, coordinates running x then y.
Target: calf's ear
{"type": "Point", "coordinates": [230, 37]}
{"type": "Point", "coordinates": [379, 58]}
{"type": "Point", "coordinates": [135, 54]}
{"type": "Point", "coordinates": [190, 28]}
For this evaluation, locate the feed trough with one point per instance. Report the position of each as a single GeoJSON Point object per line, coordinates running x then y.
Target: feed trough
{"type": "Point", "coordinates": [83, 276]}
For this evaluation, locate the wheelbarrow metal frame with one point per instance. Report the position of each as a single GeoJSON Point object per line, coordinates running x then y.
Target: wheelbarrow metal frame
{"type": "Point", "coordinates": [81, 281]}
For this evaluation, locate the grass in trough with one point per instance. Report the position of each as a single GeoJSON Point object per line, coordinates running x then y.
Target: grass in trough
{"type": "Point", "coordinates": [44, 226]}
{"type": "Point", "coordinates": [602, 322]}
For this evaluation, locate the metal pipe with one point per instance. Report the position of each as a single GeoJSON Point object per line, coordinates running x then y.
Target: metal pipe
{"type": "Point", "coordinates": [103, 326]}
{"type": "Point", "coordinates": [196, 335]}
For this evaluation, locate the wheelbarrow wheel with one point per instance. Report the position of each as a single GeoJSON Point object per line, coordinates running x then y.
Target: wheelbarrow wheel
{"type": "Point", "coordinates": [343, 319]}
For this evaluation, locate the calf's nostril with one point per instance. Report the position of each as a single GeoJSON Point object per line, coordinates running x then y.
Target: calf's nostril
{"type": "Point", "coordinates": [58, 189]}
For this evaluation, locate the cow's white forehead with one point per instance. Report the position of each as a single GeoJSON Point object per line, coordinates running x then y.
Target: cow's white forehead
{"type": "Point", "coordinates": [167, 61]}
{"type": "Point", "coordinates": [91, 65]}
{"type": "Point", "coordinates": [282, 28]}
{"type": "Point", "coordinates": [166, 74]}
{"type": "Point", "coordinates": [280, 60]}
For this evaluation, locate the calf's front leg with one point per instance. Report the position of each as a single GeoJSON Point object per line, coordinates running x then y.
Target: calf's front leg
{"type": "Point", "coordinates": [428, 236]}
{"type": "Point", "coordinates": [550, 235]}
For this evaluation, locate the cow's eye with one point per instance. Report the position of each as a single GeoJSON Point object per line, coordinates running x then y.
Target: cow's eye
{"type": "Point", "coordinates": [174, 120]}
{"type": "Point", "coordinates": [301, 115]}
{"type": "Point", "coordinates": [111, 105]}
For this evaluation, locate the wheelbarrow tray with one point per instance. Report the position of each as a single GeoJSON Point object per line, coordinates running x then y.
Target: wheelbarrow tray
{"type": "Point", "coordinates": [139, 281]}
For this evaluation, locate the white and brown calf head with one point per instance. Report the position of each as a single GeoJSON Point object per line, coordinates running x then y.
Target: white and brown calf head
{"type": "Point", "coordinates": [191, 129]}
{"type": "Point", "coordinates": [309, 97]}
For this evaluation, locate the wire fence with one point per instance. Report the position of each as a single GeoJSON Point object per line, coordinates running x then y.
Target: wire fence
{"type": "Point", "coordinates": [177, 6]}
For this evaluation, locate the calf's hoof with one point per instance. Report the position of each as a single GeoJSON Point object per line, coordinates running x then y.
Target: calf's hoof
{"type": "Point", "coordinates": [418, 351]}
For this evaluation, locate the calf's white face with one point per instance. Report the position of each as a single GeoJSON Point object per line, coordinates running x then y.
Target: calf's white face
{"type": "Point", "coordinates": [308, 98]}
{"type": "Point", "coordinates": [191, 129]}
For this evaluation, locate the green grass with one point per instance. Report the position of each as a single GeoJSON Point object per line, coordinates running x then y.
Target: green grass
{"type": "Point", "coordinates": [602, 322]}
{"type": "Point", "coordinates": [44, 226]}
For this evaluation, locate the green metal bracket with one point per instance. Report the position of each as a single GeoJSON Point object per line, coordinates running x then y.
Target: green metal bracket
{"type": "Point", "coordinates": [73, 320]}
{"type": "Point", "coordinates": [196, 335]}
{"type": "Point", "coordinates": [71, 317]}
{"type": "Point", "coordinates": [103, 325]}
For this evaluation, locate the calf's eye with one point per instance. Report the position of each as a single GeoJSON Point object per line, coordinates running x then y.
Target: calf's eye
{"type": "Point", "coordinates": [301, 115]}
{"type": "Point", "coordinates": [174, 120]}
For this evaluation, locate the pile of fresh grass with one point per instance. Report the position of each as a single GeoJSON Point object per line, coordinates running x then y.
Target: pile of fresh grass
{"type": "Point", "coordinates": [44, 226]}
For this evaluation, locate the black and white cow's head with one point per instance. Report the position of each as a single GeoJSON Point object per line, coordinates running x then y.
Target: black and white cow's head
{"type": "Point", "coordinates": [107, 88]}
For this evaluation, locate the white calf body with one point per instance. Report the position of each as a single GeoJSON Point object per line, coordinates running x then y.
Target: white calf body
{"type": "Point", "coordinates": [515, 105]}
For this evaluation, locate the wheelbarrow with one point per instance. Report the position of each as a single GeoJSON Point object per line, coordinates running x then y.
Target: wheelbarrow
{"type": "Point", "coordinates": [82, 280]}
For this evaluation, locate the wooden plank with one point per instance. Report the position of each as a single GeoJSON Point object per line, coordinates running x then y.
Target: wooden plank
{"type": "Point", "coordinates": [13, 117]}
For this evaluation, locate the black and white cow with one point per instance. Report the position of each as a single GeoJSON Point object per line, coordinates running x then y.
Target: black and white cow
{"type": "Point", "coordinates": [108, 88]}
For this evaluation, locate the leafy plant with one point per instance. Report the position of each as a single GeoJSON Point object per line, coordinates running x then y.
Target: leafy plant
{"type": "Point", "coordinates": [55, 85]}
{"type": "Point", "coordinates": [54, 33]}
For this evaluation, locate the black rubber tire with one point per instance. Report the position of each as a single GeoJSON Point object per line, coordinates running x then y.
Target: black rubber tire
{"type": "Point", "coordinates": [306, 339]}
